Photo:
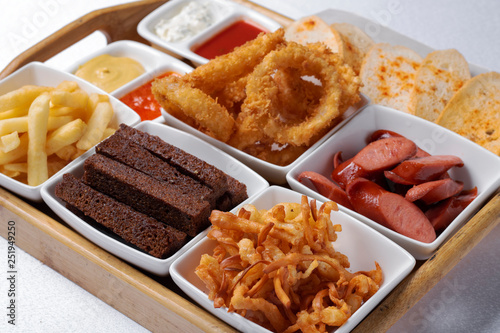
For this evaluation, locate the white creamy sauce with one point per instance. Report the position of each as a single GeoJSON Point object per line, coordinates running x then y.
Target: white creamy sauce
{"type": "Point", "coordinates": [192, 19]}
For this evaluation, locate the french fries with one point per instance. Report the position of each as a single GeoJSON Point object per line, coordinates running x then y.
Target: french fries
{"type": "Point", "coordinates": [38, 118]}
{"type": "Point", "coordinates": [44, 128]}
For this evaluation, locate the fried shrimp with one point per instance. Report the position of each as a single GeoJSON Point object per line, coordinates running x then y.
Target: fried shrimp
{"type": "Point", "coordinates": [206, 112]}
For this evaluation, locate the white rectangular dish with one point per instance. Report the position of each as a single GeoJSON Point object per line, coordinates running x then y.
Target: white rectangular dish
{"type": "Point", "coordinates": [255, 184]}
{"type": "Point", "coordinates": [361, 244]}
{"type": "Point", "coordinates": [39, 74]}
{"type": "Point", "coordinates": [480, 165]}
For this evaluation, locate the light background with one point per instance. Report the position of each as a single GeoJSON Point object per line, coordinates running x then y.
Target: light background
{"type": "Point", "coordinates": [465, 300]}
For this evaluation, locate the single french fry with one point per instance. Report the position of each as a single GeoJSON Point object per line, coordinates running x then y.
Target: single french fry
{"type": "Point", "coordinates": [107, 133]}
{"type": "Point", "coordinates": [77, 99]}
{"type": "Point", "coordinates": [65, 135]}
{"type": "Point", "coordinates": [16, 154]}
{"type": "Point", "coordinates": [56, 122]}
{"type": "Point", "coordinates": [20, 124]}
{"type": "Point", "coordinates": [21, 97]}
{"type": "Point", "coordinates": [56, 111]}
{"type": "Point", "coordinates": [69, 86]}
{"type": "Point", "coordinates": [17, 167]}
{"type": "Point", "coordinates": [38, 117]}
{"type": "Point", "coordinates": [96, 125]}
{"type": "Point", "coordinates": [78, 153]}
{"type": "Point", "coordinates": [9, 142]}
{"type": "Point", "coordinates": [54, 164]}
{"type": "Point", "coordinates": [67, 152]}
{"type": "Point", "coordinates": [94, 99]}
{"type": "Point", "coordinates": [13, 113]}
{"type": "Point", "coordinates": [9, 173]}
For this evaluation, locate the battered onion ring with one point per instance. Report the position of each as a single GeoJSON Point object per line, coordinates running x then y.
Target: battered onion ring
{"type": "Point", "coordinates": [216, 74]}
{"type": "Point", "coordinates": [194, 103]}
{"type": "Point", "coordinates": [261, 90]}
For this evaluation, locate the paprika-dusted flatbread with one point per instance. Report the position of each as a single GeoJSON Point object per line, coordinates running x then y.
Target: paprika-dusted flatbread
{"type": "Point", "coordinates": [474, 111]}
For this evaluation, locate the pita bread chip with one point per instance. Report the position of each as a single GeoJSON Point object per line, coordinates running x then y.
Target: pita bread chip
{"type": "Point", "coordinates": [312, 29]}
{"type": "Point", "coordinates": [441, 74]}
{"type": "Point", "coordinates": [474, 111]}
{"type": "Point", "coordinates": [388, 74]}
{"type": "Point", "coordinates": [356, 44]}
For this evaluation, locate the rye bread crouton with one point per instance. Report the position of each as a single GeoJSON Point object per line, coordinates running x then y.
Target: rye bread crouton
{"type": "Point", "coordinates": [144, 232]}
{"type": "Point", "coordinates": [146, 194]}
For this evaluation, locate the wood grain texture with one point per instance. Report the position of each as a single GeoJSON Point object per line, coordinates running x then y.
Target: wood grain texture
{"type": "Point", "coordinates": [128, 290]}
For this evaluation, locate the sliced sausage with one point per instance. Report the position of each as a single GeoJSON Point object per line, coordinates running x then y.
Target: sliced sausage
{"type": "Point", "coordinates": [396, 178]}
{"type": "Point", "coordinates": [390, 210]}
{"type": "Point", "coordinates": [442, 214]}
{"type": "Point", "coordinates": [424, 169]}
{"type": "Point", "coordinates": [384, 154]}
{"type": "Point", "coordinates": [346, 172]}
{"type": "Point", "coordinates": [434, 191]}
{"type": "Point", "coordinates": [337, 159]}
{"type": "Point", "coordinates": [326, 187]}
{"type": "Point", "coordinates": [384, 134]}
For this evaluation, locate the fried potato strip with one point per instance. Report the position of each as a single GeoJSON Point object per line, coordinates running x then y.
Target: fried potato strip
{"type": "Point", "coordinates": [279, 268]}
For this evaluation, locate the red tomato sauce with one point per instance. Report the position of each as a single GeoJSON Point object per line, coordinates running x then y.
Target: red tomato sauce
{"type": "Point", "coordinates": [225, 41]}
{"type": "Point", "coordinates": [142, 100]}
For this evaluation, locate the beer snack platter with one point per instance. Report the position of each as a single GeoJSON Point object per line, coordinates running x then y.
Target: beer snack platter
{"type": "Point", "coordinates": [163, 306]}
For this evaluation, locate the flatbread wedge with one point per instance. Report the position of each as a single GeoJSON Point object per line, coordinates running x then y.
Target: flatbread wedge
{"type": "Point", "coordinates": [388, 74]}
{"type": "Point", "coordinates": [474, 111]}
{"type": "Point", "coordinates": [312, 29]}
{"type": "Point", "coordinates": [441, 74]}
{"type": "Point", "coordinates": [356, 44]}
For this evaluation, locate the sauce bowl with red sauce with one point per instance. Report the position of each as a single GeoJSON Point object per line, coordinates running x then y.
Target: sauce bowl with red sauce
{"type": "Point", "coordinates": [137, 94]}
{"type": "Point", "coordinates": [229, 25]}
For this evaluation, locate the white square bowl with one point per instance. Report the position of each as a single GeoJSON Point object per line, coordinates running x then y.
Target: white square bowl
{"type": "Point", "coordinates": [362, 245]}
{"type": "Point", "coordinates": [36, 73]}
{"type": "Point", "coordinates": [224, 12]}
{"type": "Point", "coordinates": [188, 143]}
{"type": "Point", "coordinates": [150, 58]}
{"type": "Point", "coordinates": [481, 167]}
{"type": "Point", "coordinates": [172, 65]}
{"type": "Point", "coordinates": [274, 173]}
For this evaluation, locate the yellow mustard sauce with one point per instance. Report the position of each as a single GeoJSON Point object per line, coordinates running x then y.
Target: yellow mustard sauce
{"type": "Point", "coordinates": [108, 72]}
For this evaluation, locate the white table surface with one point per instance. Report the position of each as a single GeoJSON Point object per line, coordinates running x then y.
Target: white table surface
{"type": "Point", "coordinates": [465, 300]}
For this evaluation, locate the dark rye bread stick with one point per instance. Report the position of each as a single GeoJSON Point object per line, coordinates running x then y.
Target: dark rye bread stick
{"type": "Point", "coordinates": [146, 233]}
{"type": "Point", "coordinates": [121, 149]}
{"type": "Point", "coordinates": [186, 163]}
{"type": "Point", "coordinates": [146, 194]}
{"type": "Point", "coordinates": [235, 194]}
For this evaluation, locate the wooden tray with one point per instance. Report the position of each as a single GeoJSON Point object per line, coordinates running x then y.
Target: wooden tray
{"type": "Point", "coordinates": [156, 303]}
